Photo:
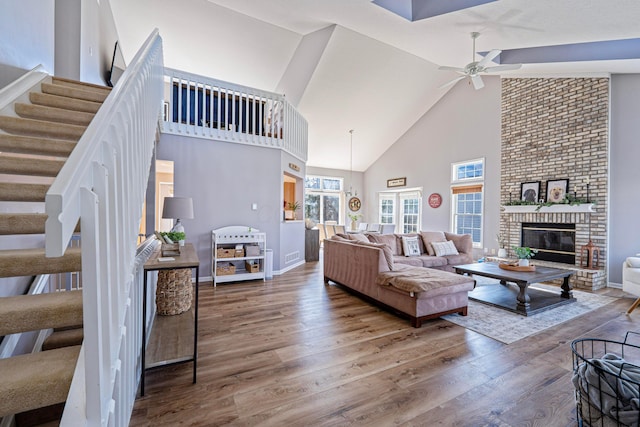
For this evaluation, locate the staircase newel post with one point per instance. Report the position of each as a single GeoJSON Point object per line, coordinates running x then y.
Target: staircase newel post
{"type": "Point", "coordinates": [92, 310]}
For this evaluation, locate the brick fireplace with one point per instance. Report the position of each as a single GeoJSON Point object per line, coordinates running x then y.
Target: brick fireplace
{"type": "Point", "coordinates": [557, 128]}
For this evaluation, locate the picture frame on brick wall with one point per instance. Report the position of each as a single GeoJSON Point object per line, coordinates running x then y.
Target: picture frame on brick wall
{"type": "Point", "coordinates": [530, 191]}
{"type": "Point", "coordinates": [557, 190]}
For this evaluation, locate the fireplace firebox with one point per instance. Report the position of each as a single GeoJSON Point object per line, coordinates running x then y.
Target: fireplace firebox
{"type": "Point", "coordinates": [554, 242]}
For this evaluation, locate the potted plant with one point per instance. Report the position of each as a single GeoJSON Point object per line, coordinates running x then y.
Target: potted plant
{"type": "Point", "coordinates": [354, 219]}
{"type": "Point", "coordinates": [293, 207]}
{"type": "Point", "coordinates": [524, 254]}
{"type": "Point", "coordinates": [502, 241]}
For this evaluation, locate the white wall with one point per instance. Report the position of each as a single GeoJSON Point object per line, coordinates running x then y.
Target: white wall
{"type": "Point", "coordinates": [27, 34]}
{"type": "Point", "coordinates": [624, 227]}
{"type": "Point", "coordinates": [463, 125]}
{"type": "Point", "coordinates": [85, 37]}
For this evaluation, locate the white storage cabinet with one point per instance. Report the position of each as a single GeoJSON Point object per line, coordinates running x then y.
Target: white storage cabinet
{"type": "Point", "coordinates": [224, 241]}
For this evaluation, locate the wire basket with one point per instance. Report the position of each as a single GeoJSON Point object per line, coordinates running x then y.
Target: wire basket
{"type": "Point", "coordinates": [606, 377]}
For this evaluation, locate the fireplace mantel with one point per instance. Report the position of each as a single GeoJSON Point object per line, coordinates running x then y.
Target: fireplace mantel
{"type": "Point", "coordinates": [559, 208]}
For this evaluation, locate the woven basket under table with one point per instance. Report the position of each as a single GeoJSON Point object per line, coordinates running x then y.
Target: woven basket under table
{"type": "Point", "coordinates": [174, 291]}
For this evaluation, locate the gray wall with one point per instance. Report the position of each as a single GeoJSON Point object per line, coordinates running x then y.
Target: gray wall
{"type": "Point", "coordinates": [463, 125]}
{"type": "Point", "coordinates": [224, 180]}
{"type": "Point", "coordinates": [624, 174]}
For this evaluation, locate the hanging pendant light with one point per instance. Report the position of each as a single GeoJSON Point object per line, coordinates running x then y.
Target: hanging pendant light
{"type": "Point", "coordinates": [351, 164]}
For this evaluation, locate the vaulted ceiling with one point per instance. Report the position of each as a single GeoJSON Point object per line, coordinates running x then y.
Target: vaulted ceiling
{"type": "Point", "coordinates": [373, 66]}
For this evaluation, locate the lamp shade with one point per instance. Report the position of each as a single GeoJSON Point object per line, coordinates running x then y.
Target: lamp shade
{"type": "Point", "coordinates": [177, 208]}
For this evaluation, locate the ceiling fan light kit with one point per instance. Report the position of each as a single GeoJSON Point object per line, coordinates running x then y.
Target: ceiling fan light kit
{"type": "Point", "coordinates": [474, 69]}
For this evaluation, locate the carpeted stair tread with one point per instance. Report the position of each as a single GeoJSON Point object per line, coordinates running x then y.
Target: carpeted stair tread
{"type": "Point", "coordinates": [41, 128]}
{"type": "Point", "coordinates": [80, 85]}
{"type": "Point", "coordinates": [63, 338]}
{"type": "Point", "coordinates": [21, 192]}
{"type": "Point", "coordinates": [16, 165]}
{"type": "Point", "coordinates": [35, 145]}
{"type": "Point", "coordinates": [72, 92]}
{"type": "Point", "coordinates": [24, 313]}
{"type": "Point", "coordinates": [52, 114]}
{"type": "Point", "coordinates": [22, 223]}
{"type": "Point", "coordinates": [35, 380]}
{"type": "Point", "coordinates": [31, 262]}
{"type": "Point", "coordinates": [64, 102]}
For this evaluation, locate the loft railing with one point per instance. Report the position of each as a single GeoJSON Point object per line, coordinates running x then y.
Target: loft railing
{"type": "Point", "coordinates": [103, 185]}
{"type": "Point", "coordinates": [210, 108]}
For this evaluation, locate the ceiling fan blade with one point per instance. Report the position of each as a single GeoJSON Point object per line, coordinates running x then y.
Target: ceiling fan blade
{"type": "Point", "coordinates": [477, 82]}
{"type": "Point", "coordinates": [452, 82]}
{"type": "Point", "coordinates": [505, 67]}
{"type": "Point", "coordinates": [447, 68]}
{"type": "Point", "coordinates": [489, 57]}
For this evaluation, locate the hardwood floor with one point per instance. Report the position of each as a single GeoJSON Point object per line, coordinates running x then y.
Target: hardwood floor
{"type": "Point", "coordinates": [295, 352]}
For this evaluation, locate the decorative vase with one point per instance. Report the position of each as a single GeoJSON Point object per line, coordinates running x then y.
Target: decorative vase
{"type": "Point", "coordinates": [523, 262]}
{"type": "Point", "coordinates": [502, 253]}
{"type": "Point", "coordinates": [354, 226]}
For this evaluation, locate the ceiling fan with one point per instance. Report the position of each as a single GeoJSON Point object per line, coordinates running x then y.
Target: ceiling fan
{"type": "Point", "coordinates": [475, 68]}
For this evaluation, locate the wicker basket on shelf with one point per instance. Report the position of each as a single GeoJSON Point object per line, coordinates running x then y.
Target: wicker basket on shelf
{"type": "Point", "coordinates": [174, 291]}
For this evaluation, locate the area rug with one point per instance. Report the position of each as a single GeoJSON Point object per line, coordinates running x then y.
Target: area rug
{"type": "Point", "coordinates": [508, 327]}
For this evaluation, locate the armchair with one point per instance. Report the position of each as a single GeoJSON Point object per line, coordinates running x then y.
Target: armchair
{"type": "Point", "coordinates": [631, 279]}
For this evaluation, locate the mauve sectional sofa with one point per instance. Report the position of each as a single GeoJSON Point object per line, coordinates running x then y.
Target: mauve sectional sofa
{"type": "Point", "coordinates": [418, 287]}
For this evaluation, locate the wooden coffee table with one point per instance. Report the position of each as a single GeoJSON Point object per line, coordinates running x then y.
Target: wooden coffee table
{"type": "Point", "coordinates": [523, 300]}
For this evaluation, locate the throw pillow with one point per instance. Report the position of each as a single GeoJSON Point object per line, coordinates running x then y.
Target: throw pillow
{"type": "Point", "coordinates": [432, 236]}
{"type": "Point", "coordinates": [444, 248]}
{"type": "Point", "coordinates": [388, 239]}
{"type": "Point", "coordinates": [420, 243]}
{"type": "Point", "coordinates": [359, 237]}
{"type": "Point", "coordinates": [386, 250]}
{"type": "Point", "coordinates": [410, 246]}
{"type": "Point", "coordinates": [633, 262]}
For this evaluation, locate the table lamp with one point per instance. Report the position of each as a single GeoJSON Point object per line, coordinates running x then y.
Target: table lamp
{"type": "Point", "coordinates": [177, 208]}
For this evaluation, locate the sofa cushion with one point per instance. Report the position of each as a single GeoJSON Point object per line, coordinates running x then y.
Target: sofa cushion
{"type": "Point", "coordinates": [463, 242]}
{"type": "Point", "coordinates": [432, 236]}
{"type": "Point", "coordinates": [359, 237]}
{"type": "Point", "coordinates": [633, 262]}
{"type": "Point", "coordinates": [339, 238]}
{"type": "Point", "coordinates": [388, 239]}
{"type": "Point", "coordinates": [425, 280]}
{"type": "Point", "coordinates": [444, 248]}
{"type": "Point", "coordinates": [458, 259]}
{"type": "Point", "coordinates": [386, 250]}
{"type": "Point", "coordinates": [413, 261]}
{"type": "Point", "coordinates": [432, 261]}
{"type": "Point", "coordinates": [410, 246]}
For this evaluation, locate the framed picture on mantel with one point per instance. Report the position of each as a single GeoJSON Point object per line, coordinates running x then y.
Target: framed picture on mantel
{"type": "Point", "coordinates": [530, 191]}
{"type": "Point", "coordinates": [557, 190]}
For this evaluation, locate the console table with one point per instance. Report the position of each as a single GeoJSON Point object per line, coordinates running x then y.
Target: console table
{"type": "Point", "coordinates": [170, 339]}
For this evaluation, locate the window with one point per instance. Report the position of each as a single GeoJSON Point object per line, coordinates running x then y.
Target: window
{"type": "Point", "coordinates": [323, 198]}
{"type": "Point", "coordinates": [410, 212]}
{"type": "Point", "coordinates": [468, 171]}
{"type": "Point", "coordinates": [402, 208]}
{"type": "Point", "coordinates": [387, 209]}
{"type": "Point", "coordinates": [467, 199]}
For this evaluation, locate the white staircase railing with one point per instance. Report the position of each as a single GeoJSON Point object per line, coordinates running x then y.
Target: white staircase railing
{"type": "Point", "coordinates": [203, 107]}
{"type": "Point", "coordinates": [103, 185]}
